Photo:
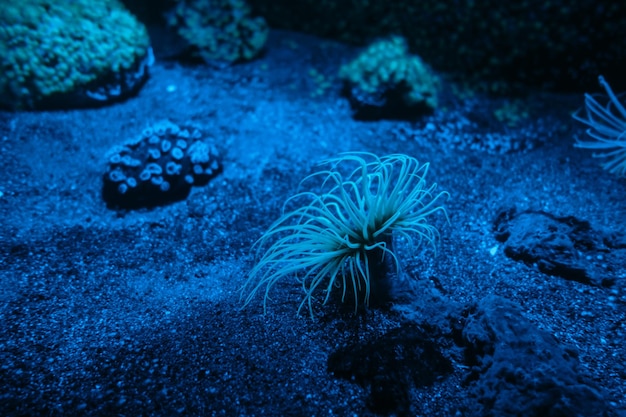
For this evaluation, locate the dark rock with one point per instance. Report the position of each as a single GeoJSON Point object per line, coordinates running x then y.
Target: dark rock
{"type": "Point", "coordinates": [519, 370]}
{"type": "Point", "coordinates": [561, 246]}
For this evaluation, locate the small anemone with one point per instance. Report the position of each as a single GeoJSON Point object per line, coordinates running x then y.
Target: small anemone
{"type": "Point", "coordinates": [606, 127]}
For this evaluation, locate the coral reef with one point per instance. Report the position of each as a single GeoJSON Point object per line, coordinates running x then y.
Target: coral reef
{"type": "Point", "coordinates": [497, 46]}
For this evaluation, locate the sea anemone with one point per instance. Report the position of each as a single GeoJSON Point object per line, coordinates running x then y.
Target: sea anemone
{"type": "Point", "coordinates": [343, 237]}
{"type": "Point", "coordinates": [607, 127]}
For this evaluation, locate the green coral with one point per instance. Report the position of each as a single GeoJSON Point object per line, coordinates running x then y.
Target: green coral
{"type": "Point", "coordinates": [50, 48]}
{"type": "Point", "coordinates": [220, 30]}
{"type": "Point", "coordinates": [512, 112]}
{"type": "Point", "coordinates": [387, 65]}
